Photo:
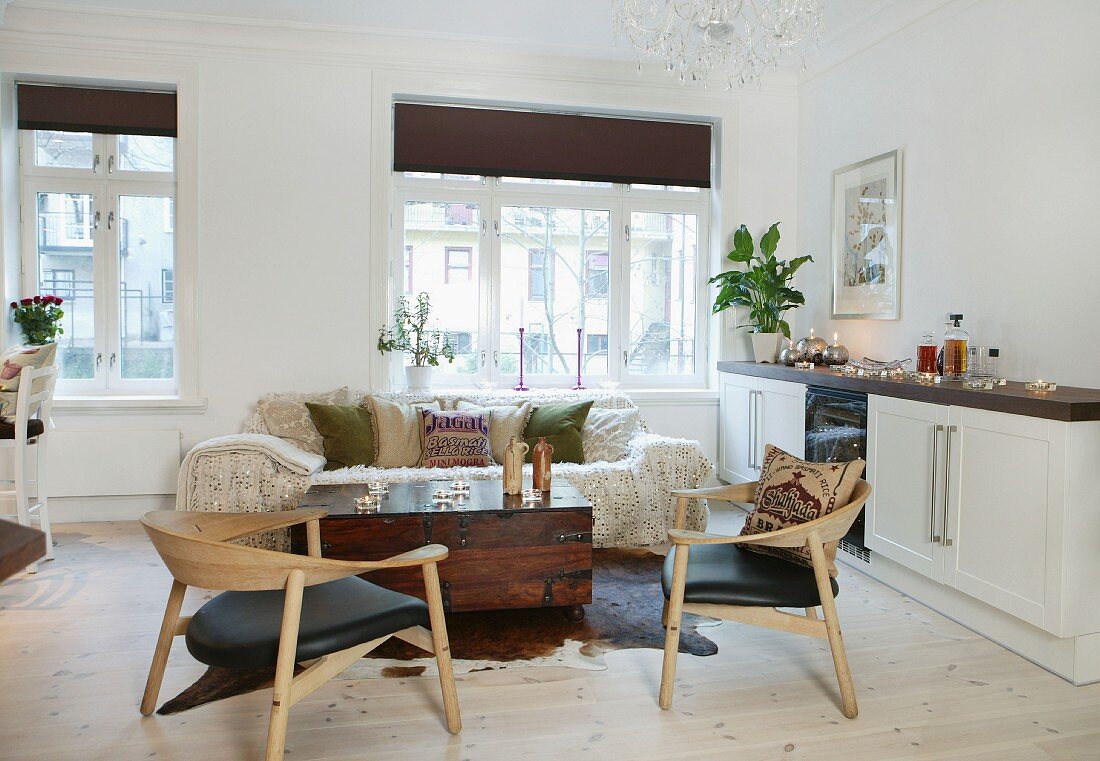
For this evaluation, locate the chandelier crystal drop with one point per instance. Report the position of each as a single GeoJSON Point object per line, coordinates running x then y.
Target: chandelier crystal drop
{"type": "Point", "coordinates": [729, 41]}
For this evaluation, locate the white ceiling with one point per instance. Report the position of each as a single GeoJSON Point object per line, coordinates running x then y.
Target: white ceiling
{"type": "Point", "coordinates": [564, 27]}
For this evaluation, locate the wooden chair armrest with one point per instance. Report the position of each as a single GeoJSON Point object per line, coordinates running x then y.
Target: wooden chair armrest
{"type": "Point", "coordinates": [224, 527]}
{"type": "Point", "coordinates": [680, 536]}
{"type": "Point", "coordinates": [429, 553]}
{"type": "Point", "coordinates": [745, 492]}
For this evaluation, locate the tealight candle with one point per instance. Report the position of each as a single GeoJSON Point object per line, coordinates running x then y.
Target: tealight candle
{"type": "Point", "coordinates": [368, 503]}
{"type": "Point", "coordinates": [443, 497]}
{"type": "Point", "coordinates": [460, 487]}
{"type": "Point", "coordinates": [1040, 385]}
{"type": "Point", "coordinates": [378, 487]}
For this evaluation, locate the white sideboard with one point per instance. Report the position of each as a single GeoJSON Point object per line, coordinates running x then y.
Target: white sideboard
{"type": "Point", "coordinates": [988, 517]}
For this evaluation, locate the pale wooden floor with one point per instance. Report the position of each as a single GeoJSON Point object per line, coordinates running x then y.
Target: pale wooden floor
{"type": "Point", "coordinates": [75, 643]}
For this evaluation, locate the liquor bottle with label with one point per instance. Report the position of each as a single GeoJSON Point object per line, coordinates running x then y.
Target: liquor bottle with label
{"type": "Point", "coordinates": [926, 354]}
{"type": "Point", "coordinates": [955, 341]}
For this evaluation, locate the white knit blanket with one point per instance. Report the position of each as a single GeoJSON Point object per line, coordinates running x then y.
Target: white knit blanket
{"type": "Point", "coordinates": [283, 452]}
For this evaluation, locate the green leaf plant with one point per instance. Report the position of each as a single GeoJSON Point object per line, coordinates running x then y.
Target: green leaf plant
{"type": "Point", "coordinates": [410, 334]}
{"type": "Point", "coordinates": [763, 286]}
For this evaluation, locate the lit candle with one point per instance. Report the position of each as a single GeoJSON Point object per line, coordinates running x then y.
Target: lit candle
{"type": "Point", "coordinates": [836, 340]}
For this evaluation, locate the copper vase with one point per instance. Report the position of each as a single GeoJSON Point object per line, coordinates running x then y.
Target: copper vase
{"type": "Point", "coordinates": [540, 459]}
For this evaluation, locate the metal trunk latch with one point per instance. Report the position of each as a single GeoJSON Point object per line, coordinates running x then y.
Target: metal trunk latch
{"type": "Point", "coordinates": [445, 593]}
{"type": "Point", "coordinates": [428, 521]}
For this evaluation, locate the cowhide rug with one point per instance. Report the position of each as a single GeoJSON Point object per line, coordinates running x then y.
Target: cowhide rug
{"type": "Point", "coordinates": [625, 613]}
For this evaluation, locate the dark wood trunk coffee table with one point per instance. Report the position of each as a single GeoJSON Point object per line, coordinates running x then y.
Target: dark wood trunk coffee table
{"type": "Point", "coordinates": [504, 554]}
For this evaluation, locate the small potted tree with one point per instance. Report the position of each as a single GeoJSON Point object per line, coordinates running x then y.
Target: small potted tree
{"type": "Point", "coordinates": [763, 287]}
{"type": "Point", "coordinates": [411, 335]}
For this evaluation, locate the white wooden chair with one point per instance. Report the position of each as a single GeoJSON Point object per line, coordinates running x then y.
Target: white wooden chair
{"type": "Point", "coordinates": [281, 609]}
{"type": "Point", "coordinates": [709, 575]}
{"type": "Point", "coordinates": [27, 438]}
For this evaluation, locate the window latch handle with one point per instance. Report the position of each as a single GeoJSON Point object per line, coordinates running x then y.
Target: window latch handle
{"type": "Point", "coordinates": [483, 357]}
{"type": "Point", "coordinates": [111, 164]}
{"type": "Point", "coordinates": [95, 221]}
{"type": "Point", "coordinates": [95, 163]}
{"type": "Point", "coordinates": [98, 360]}
{"type": "Point", "coordinates": [110, 219]}
{"type": "Point", "coordinates": [113, 357]}
{"type": "Point", "coordinates": [626, 358]}
{"type": "Point", "coordinates": [496, 359]}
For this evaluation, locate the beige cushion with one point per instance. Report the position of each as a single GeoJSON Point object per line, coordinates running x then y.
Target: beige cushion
{"type": "Point", "coordinates": [606, 432]}
{"type": "Point", "coordinates": [455, 439]}
{"type": "Point", "coordinates": [12, 362]}
{"type": "Point", "coordinates": [288, 418]}
{"type": "Point", "coordinates": [506, 421]}
{"type": "Point", "coordinates": [397, 432]}
{"type": "Point", "coordinates": [791, 492]}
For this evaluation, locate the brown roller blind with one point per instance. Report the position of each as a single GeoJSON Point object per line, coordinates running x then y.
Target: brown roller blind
{"type": "Point", "coordinates": [496, 143]}
{"type": "Point", "coordinates": [86, 109]}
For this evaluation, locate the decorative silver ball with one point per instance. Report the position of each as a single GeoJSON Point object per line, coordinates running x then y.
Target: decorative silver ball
{"type": "Point", "coordinates": [836, 355]}
{"type": "Point", "coordinates": [789, 355]}
{"type": "Point", "coordinates": [812, 349]}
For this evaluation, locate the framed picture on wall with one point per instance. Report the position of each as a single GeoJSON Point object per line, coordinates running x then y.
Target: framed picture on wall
{"type": "Point", "coordinates": [867, 238]}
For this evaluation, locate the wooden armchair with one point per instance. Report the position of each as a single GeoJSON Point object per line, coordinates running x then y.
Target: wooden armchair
{"type": "Point", "coordinates": [283, 609]}
{"type": "Point", "coordinates": [710, 575]}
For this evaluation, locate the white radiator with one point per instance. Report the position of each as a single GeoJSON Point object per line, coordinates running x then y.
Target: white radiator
{"type": "Point", "coordinates": [113, 463]}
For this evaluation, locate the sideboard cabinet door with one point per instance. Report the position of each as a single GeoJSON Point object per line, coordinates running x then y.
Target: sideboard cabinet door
{"type": "Point", "coordinates": [906, 442]}
{"type": "Point", "coordinates": [737, 397]}
{"type": "Point", "coordinates": [782, 417]}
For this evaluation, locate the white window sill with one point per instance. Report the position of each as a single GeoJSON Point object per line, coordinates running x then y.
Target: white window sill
{"type": "Point", "coordinates": [672, 395]}
{"type": "Point", "coordinates": [104, 405]}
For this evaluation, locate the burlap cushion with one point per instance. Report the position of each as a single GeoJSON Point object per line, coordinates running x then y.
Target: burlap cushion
{"type": "Point", "coordinates": [791, 492]}
{"type": "Point", "coordinates": [397, 432]}
{"type": "Point", "coordinates": [455, 439]}
{"type": "Point", "coordinates": [505, 423]}
{"type": "Point", "coordinates": [288, 418]}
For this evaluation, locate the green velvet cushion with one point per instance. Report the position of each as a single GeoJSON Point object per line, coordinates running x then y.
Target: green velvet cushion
{"type": "Point", "coordinates": [561, 425]}
{"type": "Point", "coordinates": [348, 433]}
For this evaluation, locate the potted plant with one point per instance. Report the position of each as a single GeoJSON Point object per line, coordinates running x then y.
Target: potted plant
{"type": "Point", "coordinates": [39, 317]}
{"type": "Point", "coordinates": [763, 287]}
{"type": "Point", "coordinates": [411, 335]}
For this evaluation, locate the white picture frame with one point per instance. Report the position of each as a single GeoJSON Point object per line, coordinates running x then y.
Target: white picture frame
{"type": "Point", "coordinates": [866, 239]}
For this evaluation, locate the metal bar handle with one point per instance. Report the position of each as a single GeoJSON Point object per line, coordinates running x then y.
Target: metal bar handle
{"type": "Point", "coordinates": [932, 496]}
{"type": "Point", "coordinates": [751, 419]}
{"type": "Point", "coordinates": [947, 483]}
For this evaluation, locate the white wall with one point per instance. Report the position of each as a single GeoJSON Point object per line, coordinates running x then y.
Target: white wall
{"type": "Point", "coordinates": [289, 185]}
{"type": "Point", "coordinates": [996, 106]}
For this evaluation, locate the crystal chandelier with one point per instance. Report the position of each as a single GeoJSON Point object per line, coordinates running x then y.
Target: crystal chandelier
{"type": "Point", "coordinates": [734, 40]}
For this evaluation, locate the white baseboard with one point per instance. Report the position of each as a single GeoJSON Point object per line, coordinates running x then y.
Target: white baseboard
{"type": "Point", "coordinates": [90, 509]}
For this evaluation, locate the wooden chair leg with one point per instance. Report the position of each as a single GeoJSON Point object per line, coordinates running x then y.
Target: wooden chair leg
{"type": "Point", "coordinates": [664, 614]}
{"type": "Point", "coordinates": [22, 503]}
{"type": "Point", "coordinates": [672, 631]}
{"type": "Point", "coordinates": [832, 627]}
{"type": "Point", "coordinates": [40, 475]}
{"type": "Point", "coordinates": [284, 667]}
{"type": "Point", "coordinates": [164, 646]}
{"type": "Point", "coordinates": [442, 648]}
{"type": "Point", "coordinates": [811, 613]}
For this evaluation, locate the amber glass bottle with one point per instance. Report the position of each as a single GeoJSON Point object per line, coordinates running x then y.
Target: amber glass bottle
{"type": "Point", "coordinates": [955, 341]}
{"type": "Point", "coordinates": [540, 460]}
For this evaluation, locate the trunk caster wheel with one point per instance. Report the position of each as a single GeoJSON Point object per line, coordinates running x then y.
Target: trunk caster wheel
{"type": "Point", "coordinates": [574, 613]}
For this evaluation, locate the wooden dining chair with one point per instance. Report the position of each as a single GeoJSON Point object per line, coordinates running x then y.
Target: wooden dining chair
{"type": "Point", "coordinates": [281, 609]}
{"type": "Point", "coordinates": [710, 575]}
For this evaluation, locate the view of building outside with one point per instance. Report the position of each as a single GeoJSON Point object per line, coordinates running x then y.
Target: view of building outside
{"type": "Point", "coordinates": [555, 277]}
{"type": "Point", "coordinates": [140, 229]}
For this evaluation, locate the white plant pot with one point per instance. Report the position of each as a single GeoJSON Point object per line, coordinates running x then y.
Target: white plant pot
{"type": "Point", "coordinates": [418, 378]}
{"type": "Point", "coordinates": [765, 346]}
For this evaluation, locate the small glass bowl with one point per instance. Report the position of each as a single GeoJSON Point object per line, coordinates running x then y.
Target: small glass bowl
{"type": "Point", "coordinates": [460, 488]}
{"type": "Point", "coordinates": [443, 498]}
{"type": "Point", "coordinates": [378, 488]}
{"type": "Point", "coordinates": [531, 496]}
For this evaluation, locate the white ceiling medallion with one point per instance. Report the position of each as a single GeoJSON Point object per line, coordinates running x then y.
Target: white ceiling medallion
{"type": "Point", "coordinates": [727, 42]}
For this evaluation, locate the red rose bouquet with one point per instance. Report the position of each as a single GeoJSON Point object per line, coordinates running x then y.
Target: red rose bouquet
{"type": "Point", "coordinates": [39, 317]}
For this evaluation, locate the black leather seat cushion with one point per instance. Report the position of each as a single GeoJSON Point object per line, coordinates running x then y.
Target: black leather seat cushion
{"type": "Point", "coordinates": [35, 427]}
{"type": "Point", "coordinates": [725, 574]}
{"type": "Point", "coordinates": [241, 629]}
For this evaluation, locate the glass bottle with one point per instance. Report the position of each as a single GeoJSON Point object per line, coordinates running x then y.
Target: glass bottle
{"type": "Point", "coordinates": [540, 461]}
{"type": "Point", "coordinates": [926, 354]}
{"type": "Point", "coordinates": [955, 340]}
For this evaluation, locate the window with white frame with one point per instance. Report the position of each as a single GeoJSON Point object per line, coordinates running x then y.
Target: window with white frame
{"type": "Point", "coordinates": [619, 262]}
{"type": "Point", "coordinates": [98, 231]}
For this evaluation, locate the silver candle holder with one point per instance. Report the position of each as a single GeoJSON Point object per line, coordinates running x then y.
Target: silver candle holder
{"type": "Point", "coordinates": [443, 498]}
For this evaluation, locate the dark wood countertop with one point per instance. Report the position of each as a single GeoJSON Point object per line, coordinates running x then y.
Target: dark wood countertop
{"type": "Point", "coordinates": [1066, 403]}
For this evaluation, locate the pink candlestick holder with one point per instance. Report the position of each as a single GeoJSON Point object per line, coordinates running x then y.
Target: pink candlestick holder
{"type": "Point", "coordinates": [579, 385]}
{"type": "Point", "coordinates": [519, 386]}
